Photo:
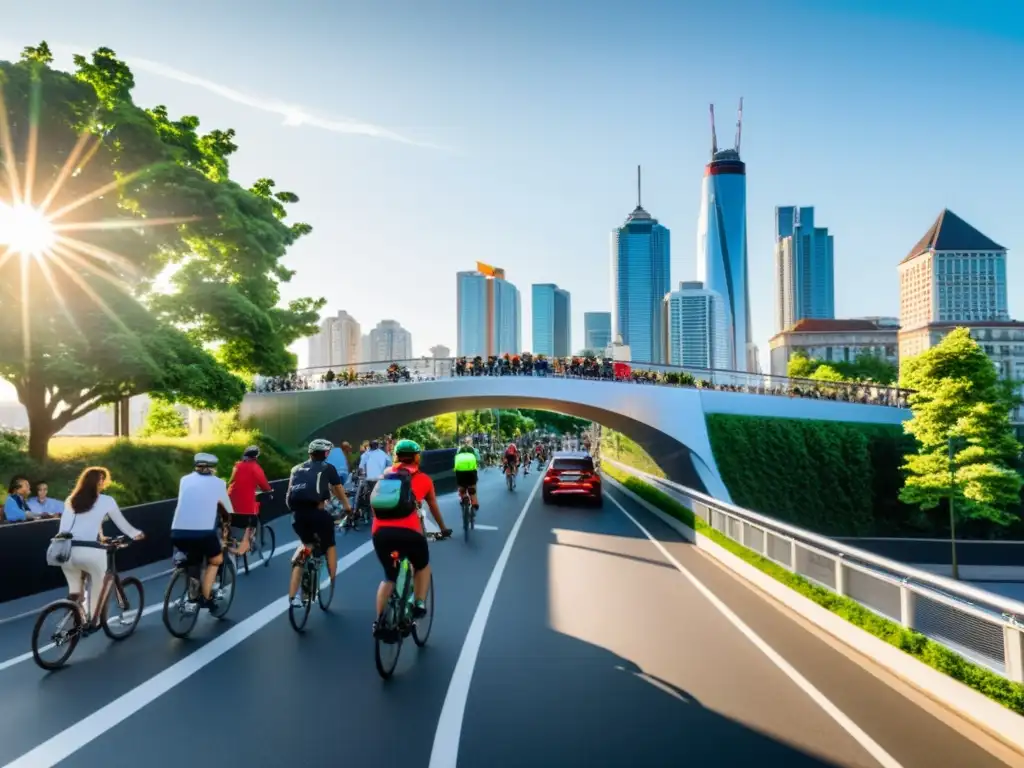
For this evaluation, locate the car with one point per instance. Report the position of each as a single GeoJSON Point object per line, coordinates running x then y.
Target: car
{"type": "Point", "coordinates": [572, 474]}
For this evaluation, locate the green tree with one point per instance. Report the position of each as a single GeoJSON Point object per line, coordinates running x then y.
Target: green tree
{"type": "Point", "coordinates": [800, 366]}
{"type": "Point", "coordinates": [133, 195]}
{"type": "Point", "coordinates": [163, 420]}
{"type": "Point", "coordinates": [868, 367]}
{"type": "Point", "coordinates": [958, 395]}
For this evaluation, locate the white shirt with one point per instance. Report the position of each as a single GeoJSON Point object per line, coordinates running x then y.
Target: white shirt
{"type": "Point", "coordinates": [374, 463]}
{"type": "Point", "coordinates": [198, 497]}
{"type": "Point", "coordinates": [86, 526]}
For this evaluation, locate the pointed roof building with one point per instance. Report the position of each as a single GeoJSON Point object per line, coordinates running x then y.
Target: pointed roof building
{"type": "Point", "coordinates": [951, 233]}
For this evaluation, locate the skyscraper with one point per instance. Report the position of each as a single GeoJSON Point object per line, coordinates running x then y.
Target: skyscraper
{"type": "Point", "coordinates": [722, 241]}
{"type": "Point", "coordinates": [597, 330]}
{"type": "Point", "coordinates": [696, 327]}
{"type": "Point", "coordinates": [337, 342]}
{"type": "Point", "coordinates": [640, 280]}
{"type": "Point", "coordinates": [389, 341]}
{"type": "Point", "coordinates": [551, 329]}
{"type": "Point", "coordinates": [489, 311]}
{"type": "Point", "coordinates": [804, 268]}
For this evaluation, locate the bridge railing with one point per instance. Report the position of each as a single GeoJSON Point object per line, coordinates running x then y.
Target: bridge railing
{"type": "Point", "coordinates": [427, 368]}
{"type": "Point", "coordinates": [981, 626]}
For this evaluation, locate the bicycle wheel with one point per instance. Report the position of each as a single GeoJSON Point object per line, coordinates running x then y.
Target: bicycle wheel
{"type": "Point", "coordinates": [224, 588]}
{"type": "Point", "coordinates": [268, 544]}
{"type": "Point", "coordinates": [508, 480]}
{"type": "Point", "coordinates": [180, 614]}
{"type": "Point", "coordinates": [298, 616]}
{"type": "Point", "coordinates": [465, 519]}
{"type": "Point", "coordinates": [324, 597]}
{"type": "Point", "coordinates": [64, 638]}
{"type": "Point", "coordinates": [127, 601]}
{"type": "Point", "coordinates": [385, 654]}
{"type": "Point", "coordinates": [421, 628]}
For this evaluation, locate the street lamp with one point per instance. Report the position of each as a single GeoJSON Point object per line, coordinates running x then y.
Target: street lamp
{"type": "Point", "coordinates": [953, 441]}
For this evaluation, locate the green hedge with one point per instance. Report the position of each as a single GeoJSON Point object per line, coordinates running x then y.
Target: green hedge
{"type": "Point", "coordinates": [995, 687]}
{"type": "Point", "coordinates": [835, 478]}
{"type": "Point", "coordinates": [141, 470]}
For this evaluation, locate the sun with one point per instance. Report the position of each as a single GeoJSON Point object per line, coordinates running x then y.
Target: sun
{"type": "Point", "coordinates": [26, 230]}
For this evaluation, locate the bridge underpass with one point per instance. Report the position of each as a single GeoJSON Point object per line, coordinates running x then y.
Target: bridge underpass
{"type": "Point", "coordinates": [562, 635]}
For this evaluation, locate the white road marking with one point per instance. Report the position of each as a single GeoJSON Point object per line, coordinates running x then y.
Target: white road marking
{"type": "Point", "coordinates": [859, 735]}
{"type": "Point", "coordinates": [445, 752]}
{"type": "Point", "coordinates": [485, 527]}
{"type": "Point", "coordinates": [71, 739]}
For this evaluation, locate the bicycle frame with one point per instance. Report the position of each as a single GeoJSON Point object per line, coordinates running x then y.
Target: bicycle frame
{"type": "Point", "coordinates": [111, 583]}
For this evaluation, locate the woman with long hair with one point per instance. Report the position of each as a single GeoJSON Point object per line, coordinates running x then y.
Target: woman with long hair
{"type": "Point", "coordinates": [84, 513]}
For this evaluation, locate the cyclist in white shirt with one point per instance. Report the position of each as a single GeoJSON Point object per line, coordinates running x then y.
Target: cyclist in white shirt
{"type": "Point", "coordinates": [373, 463]}
{"type": "Point", "coordinates": [196, 529]}
{"type": "Point", "coordinates": [83, 516]}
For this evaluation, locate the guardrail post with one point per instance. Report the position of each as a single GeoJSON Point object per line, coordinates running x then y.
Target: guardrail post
{"type": "Point", "coordinates": [908, 604]}
{"type": "Point", "coordinates": [840, 576]}
{"type": "Point", "coordinates": [1013, 650]}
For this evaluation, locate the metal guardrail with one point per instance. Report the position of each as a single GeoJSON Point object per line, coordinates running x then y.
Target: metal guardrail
{"type": "Point", "coordinates": [984, 627]}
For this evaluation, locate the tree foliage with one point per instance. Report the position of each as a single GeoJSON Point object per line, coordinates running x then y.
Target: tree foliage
{"type": "Point", "coordinates": [865, 368]}
{"type": "Point", "coordinates": [138, 196]}
{"type": "Point", "coordinates": [163, 420]}
{"type": "Point", "coordinates": [958, 395]}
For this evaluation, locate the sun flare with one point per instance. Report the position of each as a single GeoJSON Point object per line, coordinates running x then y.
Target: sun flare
{"type": "Point", "coordinates": [26, 230]}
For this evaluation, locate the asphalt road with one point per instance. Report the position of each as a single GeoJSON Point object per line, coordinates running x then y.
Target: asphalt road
{"type": "Point", "coordinates": [598, 649]}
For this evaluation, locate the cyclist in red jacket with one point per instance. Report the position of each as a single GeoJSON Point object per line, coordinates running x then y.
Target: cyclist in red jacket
{"type": "Point", "coordinates": [246, 478]}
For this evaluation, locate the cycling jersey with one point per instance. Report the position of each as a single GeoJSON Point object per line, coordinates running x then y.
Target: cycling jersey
{"type": "Point", "coordinates": [247, 478]}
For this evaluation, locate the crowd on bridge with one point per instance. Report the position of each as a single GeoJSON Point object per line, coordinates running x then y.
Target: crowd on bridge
{"type": "Point", "coordinates": [592, 368]}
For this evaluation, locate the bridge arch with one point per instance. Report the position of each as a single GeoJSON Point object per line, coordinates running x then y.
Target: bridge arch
{"type": "Point", "coordinates": [668, 422]}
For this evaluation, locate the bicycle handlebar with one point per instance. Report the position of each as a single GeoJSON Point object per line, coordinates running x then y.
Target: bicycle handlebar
{"type": "Point", "coordinates": [117, 542]}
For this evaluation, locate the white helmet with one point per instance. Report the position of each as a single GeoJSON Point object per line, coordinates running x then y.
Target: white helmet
{"type": "Point", "coordinates": [320, 446]}
{"type": "Point", "coordinates": [204, 461]}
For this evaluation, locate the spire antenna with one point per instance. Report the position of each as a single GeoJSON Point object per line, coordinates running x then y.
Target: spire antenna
{"type": "Point", "coordinates": [714, 137]}
{"type": "Point", "coordinates": [739, 126]}
{"type": "Point", "coordinates": [638, 187]}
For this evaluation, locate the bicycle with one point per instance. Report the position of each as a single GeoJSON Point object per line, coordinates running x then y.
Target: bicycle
{"type": "Point", "coordinates": [262, 539]}
{"type": "Point", "coordinates": [78, 613]}
{"type": "Point", "coordinates": [360, 504]}
{"type": "Point", "coordinates": [397, 619]}
{"type": "Point", "coordinates": [510, 477]}
{"type": "Point", "coordinates": [187, 575]}
{"type": "Point", "coordinates": [313, 561]}
{"type": "Point", "coordinates": [468, 515]}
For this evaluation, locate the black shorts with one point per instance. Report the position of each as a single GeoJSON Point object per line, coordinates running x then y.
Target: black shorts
{"type": "Point", "coordinates": [310, 523]}
{"type": "Point", "coordinates": [466, 479]}
{"type": "Point", "coordinates": [198, 548]}
{"type": "Point", "coordinates": [243, 521]}
{"type": "Point", "coordinates": [407, 543]}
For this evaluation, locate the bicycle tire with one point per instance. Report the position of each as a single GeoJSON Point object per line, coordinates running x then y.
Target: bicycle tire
{"type": "Point", "coordinates": [391, 618]}
{"type": "Point", "coordinates": [267, 550]}
{"type": "Point", "coordinates": [226, 574]}
{"type": "Point", "coordinates": [128, 586]}
{"type": "Point", "coordinates": [419, 634]}
{"type": "Point", "coordinates": [180, 574]}
{"type": "Point", "coordinates": [465, 519]}
{"type": "Point", "coordinates": [299, 616]}
{"type": "Point", "coordinates": [325, 603]}
{"type": "Point", "coordinates": [66, 605]}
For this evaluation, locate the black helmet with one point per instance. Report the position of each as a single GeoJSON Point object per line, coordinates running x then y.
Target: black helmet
{"type": "Point", "coordinates": [252, 452]}
{"type": "Point", "coordinates": [374, 445]}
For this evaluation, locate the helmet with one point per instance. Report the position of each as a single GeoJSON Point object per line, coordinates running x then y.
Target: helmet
{"type": "Point", "coordinates": [204, 461]}
{"type": "Point", "coordinates": [252, 452]}
{"type": "Point", "coordinates": [408, 446]}
{"type": "Point", "coordinates": [512, 448]}
{"type": "Point", "coordinates": [320, 446]}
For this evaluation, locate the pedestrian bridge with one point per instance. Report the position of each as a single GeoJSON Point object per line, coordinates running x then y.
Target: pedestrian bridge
{"type": "Point", "coordinates": [667, 421]}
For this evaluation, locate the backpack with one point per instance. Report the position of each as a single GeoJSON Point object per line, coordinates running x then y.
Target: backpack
{"type": "Point", "coordinates": [307, 486]}
{"type": "Point", "coordinates": [392, 497]}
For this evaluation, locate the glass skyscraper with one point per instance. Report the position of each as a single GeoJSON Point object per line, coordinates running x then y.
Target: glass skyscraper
{"type": "Point", "coordinates": [597, 330]}
{"type": "Point", "coordinates": [722, 244]}
{"type": "Point", "coordinates": [695, 327]}
{"type": "Point", "coordinates": [551, 320]}
{"type": "Point", "coordinates": [804, 268]}
{"type": "Point", "coordinates": [640, 280]}
{"type": "Point", "coordinates": [488, 313]}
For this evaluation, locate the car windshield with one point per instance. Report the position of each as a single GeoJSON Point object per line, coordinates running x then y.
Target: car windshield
{"type": "Point", "coordinates": [579, 465]}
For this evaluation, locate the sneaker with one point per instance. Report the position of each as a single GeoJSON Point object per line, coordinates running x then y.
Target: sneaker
{"type": "Point", "coordinates": [419, 610]}
{"type": "Point", "coordinates": [297, 602]}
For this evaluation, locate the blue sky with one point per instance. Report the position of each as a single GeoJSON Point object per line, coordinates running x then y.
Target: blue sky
{"type": "Point", "coordinates": [535, 114]}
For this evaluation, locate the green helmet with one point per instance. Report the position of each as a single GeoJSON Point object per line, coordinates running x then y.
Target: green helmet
{"type": "Point", "coordinates": [408, 446]}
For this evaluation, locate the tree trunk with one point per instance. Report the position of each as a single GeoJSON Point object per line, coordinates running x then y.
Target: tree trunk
{"type": "Point", "coordinates": [40, 428]}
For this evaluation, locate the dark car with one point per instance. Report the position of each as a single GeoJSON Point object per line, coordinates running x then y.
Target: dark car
{"type": "Point", "coordinates": [572, 475]}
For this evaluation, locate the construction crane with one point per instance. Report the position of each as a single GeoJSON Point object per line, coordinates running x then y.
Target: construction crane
{"type": "Point", "coordinates": [714, 138]}
{"type": "Point", "coordinates": [739, 126]}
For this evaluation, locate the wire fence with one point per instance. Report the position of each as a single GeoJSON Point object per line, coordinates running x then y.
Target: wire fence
{"type": "Point", "coordinates": [984, 627]}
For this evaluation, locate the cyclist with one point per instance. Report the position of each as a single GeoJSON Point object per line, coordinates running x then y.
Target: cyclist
{"type": "Point", "coordinates": [511, 458]}
{"type": "Point", "coordinates": [246, 478]}
{"type": "Point", "coordinates": [397, 528]}
{"type": "Point", "coordinates": [202, 498]}
{"type": "Point", "coordinates": [467, 461]}
{"type": "Point", "coordinates": [309, 487]}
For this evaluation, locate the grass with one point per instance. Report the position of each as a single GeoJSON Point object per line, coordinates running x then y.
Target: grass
{"type": "Point", "coordinates": [620, 448]}
{"type": "Point", "coordinates": [936, 656]}
{"type": "Point", "coordinates": [142, 469]}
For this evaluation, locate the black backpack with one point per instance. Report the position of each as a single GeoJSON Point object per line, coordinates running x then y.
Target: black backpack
{"type": "Point", "coordinates": [307, 486]}
{"type": "Point", "coordinates": [392, 497]}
